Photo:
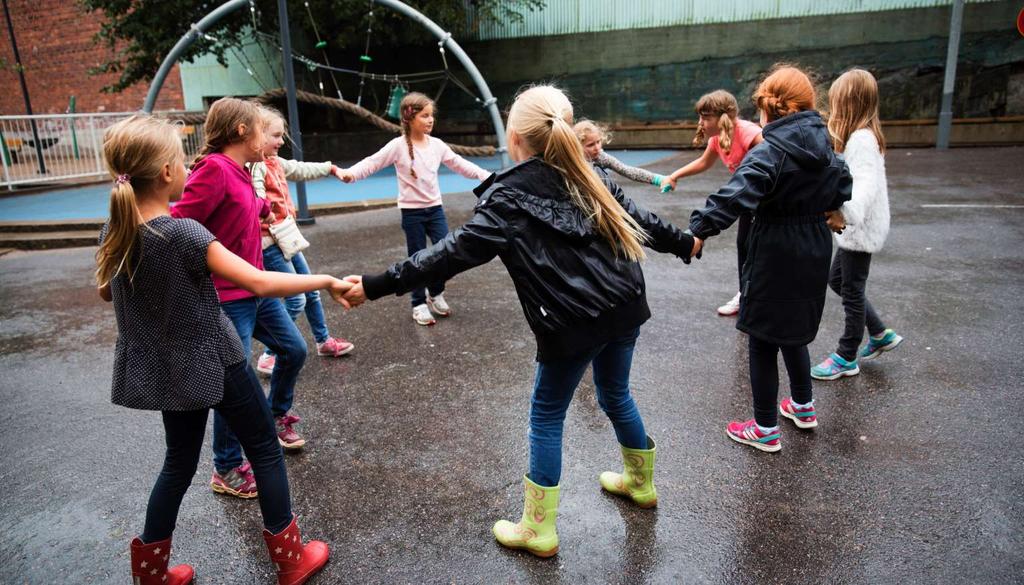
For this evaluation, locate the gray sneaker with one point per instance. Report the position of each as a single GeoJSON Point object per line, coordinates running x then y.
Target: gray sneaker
{"type": "Point", "coordinates": [239, 482]}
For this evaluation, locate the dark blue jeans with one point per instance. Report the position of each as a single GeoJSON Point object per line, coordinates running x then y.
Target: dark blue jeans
{"type": "Point", "coordinates": [267, 321]}
{"type": "Point", "coordinates": [418, 225]}
{"type": "Point", "coordinates": [273, 259]}
{"type": "Point", "coordinates": [245, 410]}
{"type": "Point", "coordinates": [553, 389]}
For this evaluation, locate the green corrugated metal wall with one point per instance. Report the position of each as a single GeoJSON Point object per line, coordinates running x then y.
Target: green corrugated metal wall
{"type": "Point", "coordinates": [580, 16]}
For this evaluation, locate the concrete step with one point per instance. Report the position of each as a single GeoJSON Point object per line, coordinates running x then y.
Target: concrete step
{"type": "Point", "coordinates": [48, 240]}
{"type": "Point", "coordinates": [50, 226]}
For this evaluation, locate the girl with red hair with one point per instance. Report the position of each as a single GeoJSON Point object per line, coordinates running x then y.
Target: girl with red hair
{"type": "Point", "coordinates": [790, 182]}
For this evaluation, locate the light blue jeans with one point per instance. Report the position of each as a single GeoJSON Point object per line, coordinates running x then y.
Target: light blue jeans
{"type": "Point", "coordinates": [273, 259]}
{"type": "Point", "coordinates": [553, 389]}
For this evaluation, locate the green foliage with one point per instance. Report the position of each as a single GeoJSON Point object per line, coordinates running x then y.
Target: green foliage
{"type": "Point", "coordinates": [142, 32]}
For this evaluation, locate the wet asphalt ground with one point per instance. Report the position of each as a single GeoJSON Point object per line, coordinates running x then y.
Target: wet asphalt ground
{"type": "Point", "coordinates": [417, 440]}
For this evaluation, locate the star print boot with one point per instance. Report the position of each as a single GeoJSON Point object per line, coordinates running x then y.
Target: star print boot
{"type": "Point", "coordinates": [295, 562]}
{"type": "Point", "coordinates": [149, 565]}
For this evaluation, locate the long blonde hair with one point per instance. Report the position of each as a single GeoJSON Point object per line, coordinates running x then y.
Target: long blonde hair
{"type": "Point", "coordinates": [722, 104]}
{"type": "Point", "coordinates": [542, 117]}
{"type": "Point", "coordinates": [412, 104]}
{"type": "Point", "coordinates": [853, 104]}
{"type": "Point", "coordinates": [222, 122]}
{"type": "Point", "coordinates": [135, 151]}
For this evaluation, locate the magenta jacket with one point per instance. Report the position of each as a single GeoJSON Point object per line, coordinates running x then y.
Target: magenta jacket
{"type": "Point", "coordinates": [219, 195]}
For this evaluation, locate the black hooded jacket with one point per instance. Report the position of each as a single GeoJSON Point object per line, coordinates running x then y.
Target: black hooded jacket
{"type": "Point", "coordinates": [575, 291]}
{"type": "Point", "coordinates": [788, 181]}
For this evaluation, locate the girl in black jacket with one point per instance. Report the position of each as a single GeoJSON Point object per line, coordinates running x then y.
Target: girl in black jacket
{"type": "Point", "coordinates": [572, 245]}
{"type": "Point", "coordinates": [789, 181]}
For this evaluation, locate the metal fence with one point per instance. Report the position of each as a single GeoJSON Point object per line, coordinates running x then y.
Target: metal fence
{"type": "Point", "coordinates": [47, 149]}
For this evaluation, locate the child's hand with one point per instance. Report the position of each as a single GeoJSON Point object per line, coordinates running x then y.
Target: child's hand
{"type": "Point", "coordinates": [668, 184]}
{"type": "Point", "coordinates": [355, 295]}
{"type": "Point", "coordinates": [343, 175]}
{"type": "Point", "coordinates": [698, 245]}
{"type": "Point", "coordinates": [835, 220]}
{"type": "Point", "coordinates": [338, 289]}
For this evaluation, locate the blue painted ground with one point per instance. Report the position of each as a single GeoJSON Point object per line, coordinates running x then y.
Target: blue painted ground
{"type": "Point", "coordinates": [91, 202]}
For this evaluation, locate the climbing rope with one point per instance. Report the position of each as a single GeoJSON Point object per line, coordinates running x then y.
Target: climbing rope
{"type": "Point", "coordinates": [343, 105]}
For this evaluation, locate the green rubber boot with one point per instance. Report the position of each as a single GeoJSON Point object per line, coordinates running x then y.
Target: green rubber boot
{"type": "Point", "coordinates": [636, 481]}
{"type": "Point", "coordinates": [535, 533]}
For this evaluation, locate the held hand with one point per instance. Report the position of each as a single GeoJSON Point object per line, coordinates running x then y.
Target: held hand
{"type": "Point", "coordinates": [270, 218]}
{"type": "Point", "coordinates": [668, 184]}
{"type": "Point", "coordinates": [355, 295]}
{"type": "Point", "coordinates": [835, 220]}
{"type": "Point", "coordinates": [338, 289]}
{"type": "Point", "coordinates": [698, 245]}
{"type": "Point", "coordinates": [344, 175]}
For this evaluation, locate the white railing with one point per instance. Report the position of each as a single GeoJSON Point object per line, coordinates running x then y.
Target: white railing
{"type": "Point", "coordinates": [70, 146]}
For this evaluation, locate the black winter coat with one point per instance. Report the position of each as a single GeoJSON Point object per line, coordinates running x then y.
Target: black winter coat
{"type": "Point", "coordinates": [788, 181]}
{"type": "Point", "coordinates": [575, 292]}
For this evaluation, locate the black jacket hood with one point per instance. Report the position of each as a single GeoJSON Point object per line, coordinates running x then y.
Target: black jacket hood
{"type": "Point", "coordinates": [803, 137]}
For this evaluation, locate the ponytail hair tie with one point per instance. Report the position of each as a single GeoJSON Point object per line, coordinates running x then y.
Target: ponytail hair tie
{"type": "Point", "coordinates": [122, 179]}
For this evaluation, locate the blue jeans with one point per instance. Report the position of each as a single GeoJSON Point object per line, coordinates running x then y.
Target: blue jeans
{"type": "Point", "coordinates": [267, 321]}
{"type": "Point", "coordinates": [273, 259]}
{"type": "Point", "coordinates": [418, 225]}
{"type": "Point", "coordinates": [245, 409]}
{"type": "Point", "coordinates": [553, 389]}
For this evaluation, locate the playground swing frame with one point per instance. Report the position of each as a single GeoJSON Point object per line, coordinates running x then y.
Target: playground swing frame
{"type": "Point", "coordinates": [445, 41]}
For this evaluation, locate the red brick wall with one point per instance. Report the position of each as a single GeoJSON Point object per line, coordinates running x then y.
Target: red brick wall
{"type": "Point", "coordinates": [55, 42]}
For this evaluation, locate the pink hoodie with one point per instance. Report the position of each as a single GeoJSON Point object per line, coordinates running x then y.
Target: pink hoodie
{"type": "Point", "coordinates": [423, 190]}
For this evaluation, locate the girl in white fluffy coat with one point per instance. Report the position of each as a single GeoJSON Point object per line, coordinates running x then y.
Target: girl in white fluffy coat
{"type": "Point", "coordinates": [857, 133]}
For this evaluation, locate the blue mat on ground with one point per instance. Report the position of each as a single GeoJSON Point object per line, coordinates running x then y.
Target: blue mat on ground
{"type": "Point", "coordinates": [92, 202]}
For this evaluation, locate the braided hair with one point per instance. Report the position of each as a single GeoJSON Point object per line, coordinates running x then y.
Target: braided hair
{"type": "Point", "coordinates": [412, 104]}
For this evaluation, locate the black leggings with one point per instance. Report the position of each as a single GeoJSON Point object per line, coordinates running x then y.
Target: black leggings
{"type": "Point", "coordinates": [248, 414]}
{"type": "Point", "coordinates": [742, 235]}
{"type": "Point", "coordinates": [764, 378]}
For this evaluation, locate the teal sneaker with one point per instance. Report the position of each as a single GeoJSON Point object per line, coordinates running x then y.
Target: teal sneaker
{"type": "Point", "coordinates": [889, 341]}
{"type": "Point", "coordinates": [834, 367]}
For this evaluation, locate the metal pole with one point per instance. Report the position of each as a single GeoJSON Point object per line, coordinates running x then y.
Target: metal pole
{"type": "Point", "coordinates": [183, 44]}
{"type": "Point", "coordinates": [293, 108]}
{"type": "Point", "coordinates": [446, 39]}
{"type": "Point", "coordinates": [24, 90]}
{"type": "Point", "coordinates": [952, 54]}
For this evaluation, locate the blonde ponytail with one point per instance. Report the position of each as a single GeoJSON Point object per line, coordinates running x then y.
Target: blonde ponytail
{"type": "Point", "coordinates": [117, 252]}
{"type": "Point", "coordinates": [542, 116]}
{"type": "Point", "coordinates": [135, 150]}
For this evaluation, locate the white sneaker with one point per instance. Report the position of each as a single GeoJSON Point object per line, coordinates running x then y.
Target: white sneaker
{"type": "Point", "coordinates": [439, 306]}
{"type": "Point", "coordinates": [730, 308]}
{"type": "Point", "coordinates": [421, 314]}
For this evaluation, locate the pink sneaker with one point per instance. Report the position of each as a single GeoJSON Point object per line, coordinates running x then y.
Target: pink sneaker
{"type": "Point", "coordinates": [239, 482]}
{"type": "Point", "coordinates": [803, 418]}
{"type": "Point", "coordinates": [265, 365]}
{"type": "Point", "coordinates": [748, 433]}
{"type": "Point", "coordinates": [334, 347]}
{"type": "Point", "coordinates": [286, 435]}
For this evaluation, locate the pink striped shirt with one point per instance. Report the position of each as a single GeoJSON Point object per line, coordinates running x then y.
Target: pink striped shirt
{"type": "Point", "coordinates": [423, 190]}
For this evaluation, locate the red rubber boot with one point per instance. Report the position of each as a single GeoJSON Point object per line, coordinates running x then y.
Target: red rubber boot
{"type": "Point", "coordinates": [295, 562]}
{"type": "Point", "coordinates": [149, 565]}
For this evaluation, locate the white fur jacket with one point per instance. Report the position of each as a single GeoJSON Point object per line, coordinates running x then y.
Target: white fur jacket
{"type": "Point", "coordinates": [867, 212]}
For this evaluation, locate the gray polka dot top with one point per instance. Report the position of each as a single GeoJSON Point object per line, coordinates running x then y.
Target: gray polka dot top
{"type": "Point", "coordinates": [174, 341]}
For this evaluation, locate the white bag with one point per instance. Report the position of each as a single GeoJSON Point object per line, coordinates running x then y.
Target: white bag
{"type": "Point", "coordinates": [289, 239]}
